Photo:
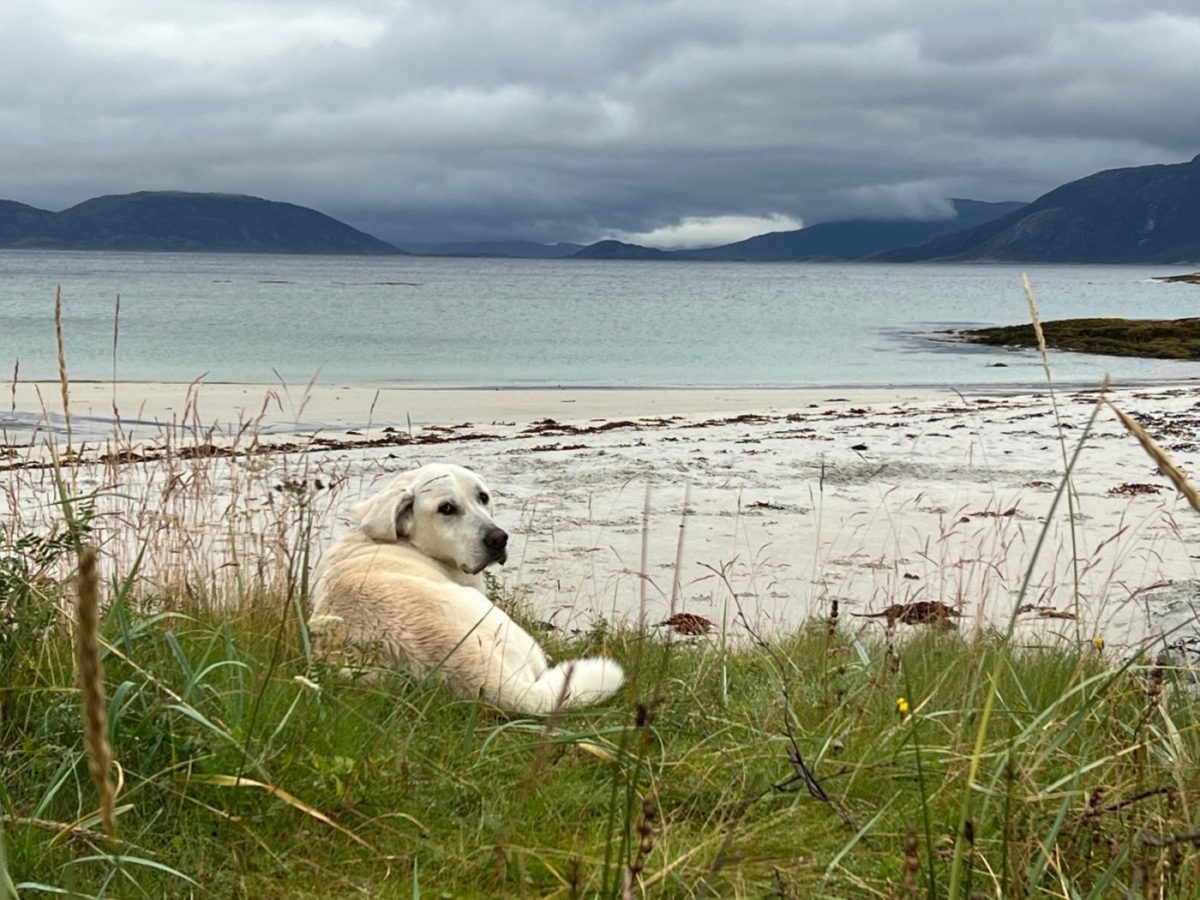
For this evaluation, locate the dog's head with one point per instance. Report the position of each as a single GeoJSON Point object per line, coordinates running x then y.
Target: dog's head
{"type": "Point", "coordinates": [442, 510]}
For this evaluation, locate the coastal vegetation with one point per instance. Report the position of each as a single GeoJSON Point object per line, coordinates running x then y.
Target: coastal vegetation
{"type": "Point", "coordinates": [825, 763]}
{"type": "Point", "coordinates": [1147, 338]}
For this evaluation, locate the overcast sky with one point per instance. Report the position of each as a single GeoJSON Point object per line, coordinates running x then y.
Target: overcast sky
{"type": "Point", "coordinates": [670, 122]}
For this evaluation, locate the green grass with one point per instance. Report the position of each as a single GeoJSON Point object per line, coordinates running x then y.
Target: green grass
{"type": "Point", "coordinates": [1147, 338]}
{"type": "Point", "coordinates": [1086, 764]}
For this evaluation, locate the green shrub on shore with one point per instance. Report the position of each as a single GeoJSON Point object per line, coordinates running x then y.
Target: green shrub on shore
{"type": "Point", "coordinates": [1186, 278]}
{"type": "Point", "coordinates": [1145, 338]}
{"type": "Point", "coordinates": [824, 763]}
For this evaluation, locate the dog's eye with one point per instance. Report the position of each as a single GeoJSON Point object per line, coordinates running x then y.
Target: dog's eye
{"type": "Point", "coordinates": [484, 498]}
{"type": "Point", "coordinates": [448, 509]}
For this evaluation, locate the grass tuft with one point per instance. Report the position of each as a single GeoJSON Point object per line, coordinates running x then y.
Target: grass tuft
{"type": "Point", "coordinates": [357, 787]}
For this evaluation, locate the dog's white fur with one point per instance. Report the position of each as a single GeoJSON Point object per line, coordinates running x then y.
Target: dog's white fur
{"type": "Point", "coordinates": [407, 584]}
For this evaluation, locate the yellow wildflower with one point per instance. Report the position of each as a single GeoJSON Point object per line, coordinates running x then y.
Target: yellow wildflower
{"type": "Point", "coordinates": [902, 706]}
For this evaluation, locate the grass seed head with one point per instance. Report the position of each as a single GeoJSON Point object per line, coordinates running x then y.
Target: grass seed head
{"type": "Point", "coordinates": [91, 687]}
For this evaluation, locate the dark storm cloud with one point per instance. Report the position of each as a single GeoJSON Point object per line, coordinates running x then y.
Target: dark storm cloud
{"type": "Point", "coordinates": [571, 120]}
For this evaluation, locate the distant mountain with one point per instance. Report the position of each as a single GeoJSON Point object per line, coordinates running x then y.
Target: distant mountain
{"type": "Point", "coordinates": [846, 239]}
{"type": "Point", "coordinates": [1146, 214]}
{"type": "Point", "coordinates": [18, 220]}
{"type": "Point", "coordinates": [620, 250]}
{"type": "Point", "coordinates": [171, 220]}
{"type": "Point", "coordinates": [514, 249]}
{"type": "Point", "coordinates": [852, 238]}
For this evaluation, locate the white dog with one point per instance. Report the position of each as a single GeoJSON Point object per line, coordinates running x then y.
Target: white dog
{"type": "Point", "coordinates": [405, 585]}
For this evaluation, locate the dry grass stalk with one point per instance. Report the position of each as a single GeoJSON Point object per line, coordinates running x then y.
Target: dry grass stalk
{"type": "Point", "coordinates": [676, 583]}
{"type": "Point", "coordinates": [63, 383]}
{"type": "Point", "coordinates": [1037, 325]}
{"type": "Point", "coordinates": [1036, 318]}
{"type": "Point", "coordinates": [91, 687]}
{"type": "Point", "coordinates": [912, 862]}
{"type": "Point", "coordinates": [1160, 457]}
{"type": "Point", "coordinates": [645, 831]}
{"type": "Point", "coordinates": [116, 337]}
{"type": "Point", "coordinates": [644, 569]}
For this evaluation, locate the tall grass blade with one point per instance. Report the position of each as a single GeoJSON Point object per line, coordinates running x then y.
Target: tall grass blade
{"type": "Point", "coordinates": [64, 383]}
{"type": "Point", "coordinates": [279, 793]}
{"type": "Point", "coordinates": [852, 843]}
{"type": "Point", "coordinates": [1036, 318]}
{"type": "Point", "coordinates": [7, 888]}
{"type": "Point", "coordinates": [135, 861]}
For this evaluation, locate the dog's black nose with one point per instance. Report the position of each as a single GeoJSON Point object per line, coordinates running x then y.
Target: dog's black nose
{"type": "Point", "coordinates": [496, 540]}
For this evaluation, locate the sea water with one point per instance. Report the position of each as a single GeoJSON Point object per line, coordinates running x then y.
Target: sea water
{"type": "Point", "coordinates": [499, 322]}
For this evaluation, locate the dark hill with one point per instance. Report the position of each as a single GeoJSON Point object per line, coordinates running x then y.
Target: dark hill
{"type": "Point", "coordinates": [619, 250]}
{"type": "Point", "coordinates": [513, 249]}
{"type": "Point", "coordinates": [170, 220]}
{"type": "Point", "coordinates": [1146, 214]}
{"type": "Point", "coordinates": [852, 238]}
{"type": "Point", "coordinates": [18, 221]}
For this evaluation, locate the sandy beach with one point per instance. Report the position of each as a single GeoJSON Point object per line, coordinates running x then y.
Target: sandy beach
{"type": "Point", "coordinates": [775, 502]}
{"type": "Point", "coordinates": [146, 406]}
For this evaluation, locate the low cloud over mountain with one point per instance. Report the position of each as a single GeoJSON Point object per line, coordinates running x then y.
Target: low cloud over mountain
{"type": "Point", "coordinates": [564, 120]}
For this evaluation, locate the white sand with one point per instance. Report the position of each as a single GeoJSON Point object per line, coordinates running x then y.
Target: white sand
{"type": "Point", "coordinates": [797, 498]}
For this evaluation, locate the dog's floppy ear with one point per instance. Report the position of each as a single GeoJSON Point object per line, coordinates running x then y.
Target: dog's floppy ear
{"type": "Point", "coordinates": [386, 516]}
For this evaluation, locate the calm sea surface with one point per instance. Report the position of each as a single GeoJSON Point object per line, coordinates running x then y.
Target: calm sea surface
{"type": "Point", "coordinates": [542, 322]}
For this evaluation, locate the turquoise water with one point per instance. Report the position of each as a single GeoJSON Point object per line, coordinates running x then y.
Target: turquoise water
{"type": "Point", "coordinates": [553, 322]}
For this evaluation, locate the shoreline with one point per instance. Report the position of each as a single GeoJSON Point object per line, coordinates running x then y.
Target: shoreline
{"type": "Point", "coordinates": [1032, 385]}
{"type": "Point", "coordinates": [143, 407]}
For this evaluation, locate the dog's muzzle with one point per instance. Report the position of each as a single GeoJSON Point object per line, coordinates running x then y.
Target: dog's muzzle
{"type": "Point", "coordinates": [495, 541]}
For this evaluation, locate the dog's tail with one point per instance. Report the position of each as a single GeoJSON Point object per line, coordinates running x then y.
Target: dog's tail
{"type": "Point", "coordinates": [577, 682]}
